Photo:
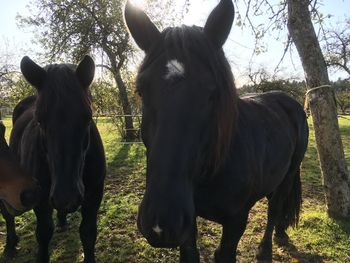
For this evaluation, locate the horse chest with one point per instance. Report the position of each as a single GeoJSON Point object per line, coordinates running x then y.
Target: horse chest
{"type": "Point", "coordinates": [221, 198]}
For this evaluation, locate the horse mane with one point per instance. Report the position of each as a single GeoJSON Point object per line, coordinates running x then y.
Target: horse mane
{"type": "Point", "coordinates": [187, 44]}
{"type": "Point", "coordinates": [62, 87]}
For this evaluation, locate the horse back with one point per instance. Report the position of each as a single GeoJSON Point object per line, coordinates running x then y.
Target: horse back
{"type": "Point", "coordinates": [23, 106]}
{"type": "Point", "coordinates": [273, 113]}
{"type": "Point", "coordinates": [276, 104]}
{"type": "Point", "coordinates": [269, 130]}
{"type": "Point", "coordinates": [22, 116]}
{"type": "Point", "coordinates": [272, 134]}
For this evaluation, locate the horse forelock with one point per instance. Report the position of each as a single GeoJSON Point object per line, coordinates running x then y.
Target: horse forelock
{"type": "Point", "coordinates": [185, 45]}
{"type": "Point", "coordinates": [62, 89]}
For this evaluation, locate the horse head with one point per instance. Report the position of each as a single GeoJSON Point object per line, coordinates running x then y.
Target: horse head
{"type": "Point", "coordinates": [18, 191]}
{"type": "Point", "coordinates": [62, 117]}
{"type": "Point", "coordinates": [188, 98]}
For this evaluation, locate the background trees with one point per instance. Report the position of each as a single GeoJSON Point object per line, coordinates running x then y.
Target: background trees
{"type": "Point", "coordinates": [70, 29]}
{"type": "Point", "coordinates": [337, 47]}
{"type": "Point", "coordinates": [73, 28]}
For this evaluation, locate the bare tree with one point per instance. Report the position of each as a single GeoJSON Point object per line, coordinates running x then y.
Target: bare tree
{"type": "Point", "coordinates": [337, 48]}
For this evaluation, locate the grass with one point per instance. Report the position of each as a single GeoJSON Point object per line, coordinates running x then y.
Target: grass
{"type": "Point", "coordinates": [318, 238]}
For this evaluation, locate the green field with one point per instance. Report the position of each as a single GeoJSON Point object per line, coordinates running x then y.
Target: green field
{"type": "Point", "coordinates": [318, 238]}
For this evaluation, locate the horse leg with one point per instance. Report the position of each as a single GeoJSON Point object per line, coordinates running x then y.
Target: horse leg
{"type": "Point", "coordinates": [264, 253]}
{"type": "Point", "coordinates": [231, 234]}
{"type": "Point", "coordinates": [283, 211]}
{"type": "Point", "coordinates": [188, 251]}
{"type": "Point", "coordinates": [11, 236]}
{"type": "Point", "coordinates": [44, 230]}
{"type": "Point", "coordinates": [62, 224]}
{"type": "Point", "coordinates": [281, 237]}
{"type": "Point", "coordinates": [88, 225]}
{"type": "Point", "coordinates": [291, 206]}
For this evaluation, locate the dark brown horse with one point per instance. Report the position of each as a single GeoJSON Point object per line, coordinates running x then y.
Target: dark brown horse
{"type": "Point", "coordinates": [18, 190]}
{"type": "Point", "coordinates": [209, 152]}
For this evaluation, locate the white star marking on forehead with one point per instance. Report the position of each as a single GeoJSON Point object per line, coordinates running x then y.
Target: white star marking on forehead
{"type": "Point", "coordinates": [157, 229]}
{"type": "Point", "coordinates": [175, 69]}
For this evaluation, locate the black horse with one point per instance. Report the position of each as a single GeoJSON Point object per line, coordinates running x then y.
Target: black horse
{"type": "Point", "coordinates": [58, 143]}
{"type": "Point", "coordinates": [210, 153]}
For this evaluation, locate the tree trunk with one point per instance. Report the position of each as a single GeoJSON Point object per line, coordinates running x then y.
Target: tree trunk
{"type": "Point", "coordinates": [323, 110]}
{"type": "Point", "coordinates": [130, 133]}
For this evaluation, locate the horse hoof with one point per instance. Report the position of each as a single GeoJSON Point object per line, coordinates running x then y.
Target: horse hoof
{"type": "Point", "coordinates": [190, 256]}
{"type": "Point", "coordinates": [263, 258]}
{"type": "Point", "coordinates": [281, 240]}
{"type": "Point", "coordinates": [220, 257]}
{"type": "Point", "coordinates": [61, 228]}
{"type": "Point", "coordinates": [10, 252]}
{"type": "Point", "coordinates": [43, 259]}
{"type": "Point", "coordinates": [264, 252]}
{"type": "Point", "coordinates": [90, 260]}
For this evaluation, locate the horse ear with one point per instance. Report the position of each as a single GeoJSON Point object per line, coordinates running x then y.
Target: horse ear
{"type": "Point", "coordinates": [141, 28]}
{"type": "Point", "coordinates": [32, 72]}
{"type": "Point", "coordinates": [219, 23]}
{"type": "Point", "coordinates": [86, 71]}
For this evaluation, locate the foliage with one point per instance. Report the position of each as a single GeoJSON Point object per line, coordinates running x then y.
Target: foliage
{"type": "Point", "coordinates": [14, 90]}
{"type": "Point", "coordinates": [69, 29]}
{"type": "Point", "coordinates": [106, 103]}
{"type": "Point", "coordinates": [318, 238]}
{"type": "Point", "coordinates": [74, 28]}
{"type": "Point", "coordinates": [6, 77]}
{"type": "Point", "coordinates": [295, 89]}
{"type": "Point", "coordinates": [342, 94]}
{"type": "Point", "coordinates": [261, 82]}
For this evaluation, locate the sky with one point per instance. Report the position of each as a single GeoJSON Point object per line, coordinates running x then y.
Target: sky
{"type": "Point", "coordinates": [238, 48]}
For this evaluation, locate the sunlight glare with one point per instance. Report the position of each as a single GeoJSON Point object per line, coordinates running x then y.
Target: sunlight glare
{"type": "Point", "coordinates": [139, 3]}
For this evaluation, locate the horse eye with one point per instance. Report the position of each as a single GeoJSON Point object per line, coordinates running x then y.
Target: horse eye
{"type": "Point", "coordinates": [139, 90]}
{"type": "Point", "coordinates": [40, 125]}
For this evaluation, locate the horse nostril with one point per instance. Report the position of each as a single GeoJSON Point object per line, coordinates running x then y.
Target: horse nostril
{"type": "Point", "coordinates": [30, 197]}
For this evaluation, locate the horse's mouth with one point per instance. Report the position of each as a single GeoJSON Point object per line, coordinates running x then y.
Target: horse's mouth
{"type": "Point", "coordinates": [12, 211]}
{"type": "Point", "coordinates": [67, 210]}
{"type": "Point", "coordinates": [159, 244]}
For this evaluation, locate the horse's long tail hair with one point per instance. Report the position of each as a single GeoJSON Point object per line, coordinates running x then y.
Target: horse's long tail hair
{"type": "Point", "coordinates": [292, 205]}
{"type": "Point", "coordinates": [289, 215]}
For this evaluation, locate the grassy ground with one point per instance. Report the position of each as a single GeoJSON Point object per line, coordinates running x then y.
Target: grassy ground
{"type": "Point", "coordinates": [318, 238]}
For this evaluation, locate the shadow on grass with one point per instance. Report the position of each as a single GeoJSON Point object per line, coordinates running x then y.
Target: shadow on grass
{"type": "Point", "coordinates": [302, 257]}
{"type": "Point", "coordinates": [119, 159]}
{"type": "Point", "coordinates": [64, 247]}
{"type": "Point", "coordinates": [344, 226]}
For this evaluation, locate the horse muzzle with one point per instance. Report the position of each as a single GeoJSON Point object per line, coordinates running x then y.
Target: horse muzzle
{"type": "Point", "coordinates": [167, 231]}
{"type": "Point", "coordinates": [66, 199]}
{"type": "Point", "coordinates": [30, 197]}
